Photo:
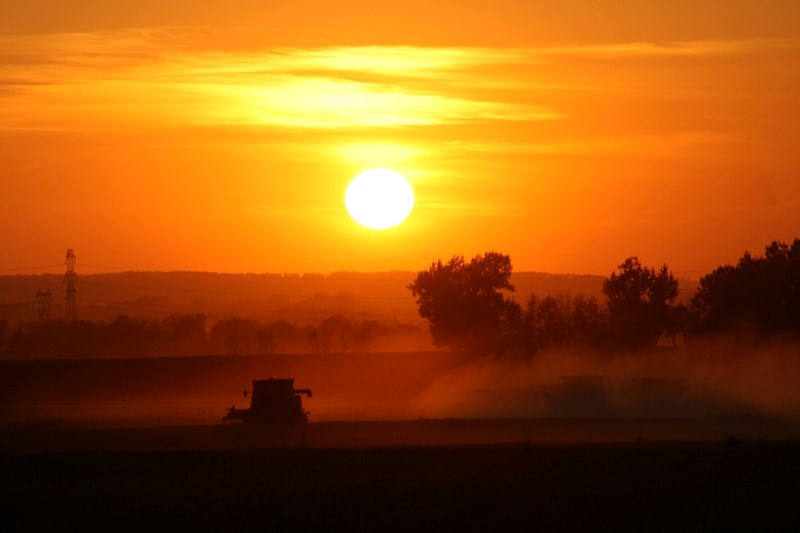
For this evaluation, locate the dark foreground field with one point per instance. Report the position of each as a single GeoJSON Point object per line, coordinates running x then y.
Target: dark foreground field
{"type": "Point", "coordinates": [137, 444]}
{"type": "Point", "coordinates": [405, 475]}
{"type": "Point", "coordinates": [667, 486]}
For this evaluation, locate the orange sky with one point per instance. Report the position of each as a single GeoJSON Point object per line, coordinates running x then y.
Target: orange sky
{"type": "Point", "coordinates": [198, 135]}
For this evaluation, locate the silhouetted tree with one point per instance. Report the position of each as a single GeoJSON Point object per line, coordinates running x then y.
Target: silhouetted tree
{"type": "Point", "coordinates": [551, 321]}
{"type": "Point", "coordinates": [128, 337]}
{"type": "Point", "coordinates": [181, 335]}
{"type": "Point", "coordinates": [464, 301]}
{"type": "Point", "coordinates": [760, 295]}
{"type": "Point", "coordinates": [547, 320]}
{"type": "Point", "coordinates": [589, 323]}
{"type": "Point", "coordinates": [678, 323]}
{"type": "Point", "coordinates": [639, 303]}
{"type": "Point", "coordinates": [286, 338]}
{"type": "Point", "coordinates": [239, 336]}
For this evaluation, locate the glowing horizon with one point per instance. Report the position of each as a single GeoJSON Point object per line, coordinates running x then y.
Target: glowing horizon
{"type": "Point", "coordinates": [197, 139]}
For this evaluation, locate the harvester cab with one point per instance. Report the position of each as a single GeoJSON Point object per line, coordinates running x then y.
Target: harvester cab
{"type": "Point", "coordinates": [273, 402]}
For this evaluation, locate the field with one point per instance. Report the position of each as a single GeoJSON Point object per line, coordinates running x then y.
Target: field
{"type": "Point", "coordinates": [664, 486]}
{"type": "Point", "coordinates": [139, 443]}
{"type": "Point", "coordinates": [545, 474]}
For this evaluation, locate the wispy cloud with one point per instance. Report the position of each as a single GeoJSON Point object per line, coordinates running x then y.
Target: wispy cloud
{"type": "Point", "coordinates": [167, 76]}
{"type": "Point", "coordinates": [102, 79]}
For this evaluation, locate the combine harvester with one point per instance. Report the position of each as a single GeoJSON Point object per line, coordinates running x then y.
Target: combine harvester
{"type": "Point", "coordinates": [276, 412]}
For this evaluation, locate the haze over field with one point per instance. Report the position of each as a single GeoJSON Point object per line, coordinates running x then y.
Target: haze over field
{"type": "Point", "coordinates": [715, 380]}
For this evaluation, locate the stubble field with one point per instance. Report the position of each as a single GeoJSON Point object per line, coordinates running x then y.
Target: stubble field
{"type": "Point", "coordinates": [664, 486]}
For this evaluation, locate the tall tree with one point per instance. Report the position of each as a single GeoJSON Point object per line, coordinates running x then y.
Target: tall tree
{"type": "Point", "coordinates": [464, 301]}
{"type": "Point", "coordinates": [760, 294]}
{"type": "Point", "coordinates": [548, 320]}
{"type": "Point", "coordinates": [639, 303]}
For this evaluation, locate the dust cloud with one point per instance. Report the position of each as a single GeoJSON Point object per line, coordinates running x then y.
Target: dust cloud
{"type": "Point", "coordinates": [720, 378]}
{"type": "Point", "coordinates": [711, 378]}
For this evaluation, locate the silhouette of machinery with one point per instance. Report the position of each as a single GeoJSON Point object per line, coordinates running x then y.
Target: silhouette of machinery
{"type": "Point", "coordinates": [273, 402]}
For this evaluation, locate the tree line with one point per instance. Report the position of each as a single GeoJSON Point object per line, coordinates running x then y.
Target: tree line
{"type": "Point", "coordinates": [469, 305]}
{"type": "Point", "coordinates": [180, 335]}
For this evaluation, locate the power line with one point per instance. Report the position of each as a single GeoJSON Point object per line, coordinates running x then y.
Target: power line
{"type": "Point", "coordinates": [27, 269]}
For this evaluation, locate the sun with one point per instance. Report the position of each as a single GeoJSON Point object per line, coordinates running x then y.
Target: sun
{"type": "Point", "coordinates": [379, 198]}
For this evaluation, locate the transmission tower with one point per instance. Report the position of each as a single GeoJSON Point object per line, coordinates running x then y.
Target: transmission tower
{"type": "Point", "coordinates": [43, 301]}
{"type": "Point", "coordinates": [72, 293]}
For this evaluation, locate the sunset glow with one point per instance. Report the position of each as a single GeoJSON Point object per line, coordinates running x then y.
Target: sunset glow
{"type": "Point", "coordinates": [175, 139]}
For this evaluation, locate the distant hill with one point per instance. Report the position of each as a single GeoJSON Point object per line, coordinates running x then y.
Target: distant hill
{"type": "Point", "coordinates": [298, 298]}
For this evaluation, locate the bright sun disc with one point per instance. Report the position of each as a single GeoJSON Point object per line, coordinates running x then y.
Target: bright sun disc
{"type": "Point", "coordinates": [379, 198]}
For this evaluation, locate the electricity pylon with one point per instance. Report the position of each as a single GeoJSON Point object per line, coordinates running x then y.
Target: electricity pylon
{"type": "Point", "coordinates": [72, 292]}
